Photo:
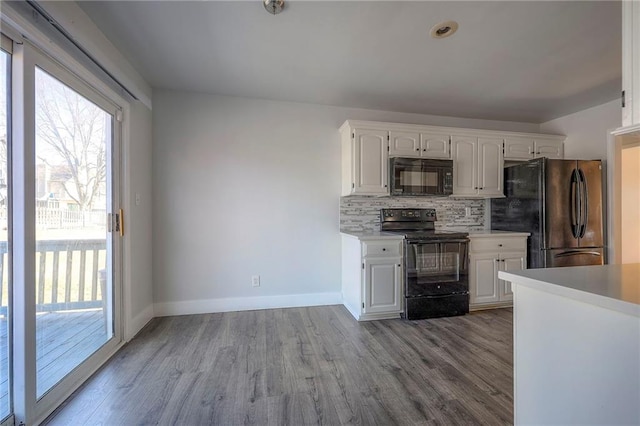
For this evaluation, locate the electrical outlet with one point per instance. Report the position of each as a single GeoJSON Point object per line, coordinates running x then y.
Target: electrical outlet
{"type": "Point", "coordinates": [467, 211]}
{"type": "Point", "coordinates": [255, 280]}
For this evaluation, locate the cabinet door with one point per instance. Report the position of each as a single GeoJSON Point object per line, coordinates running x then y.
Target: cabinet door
{"type": "Point", "coordinates": [510, 262]}
{"type": "Point", "coordinates": [435, 145]}
{"type": "Point", "coordinates": [483, 276]}
{"type": "Point", "coordinates": [370, 162]}
{"type": "Point", "coordinates": [518, 149]}
{"type": "Point", "coordinates": [490, 167]}
{"type": "Point", "coordinates": [382, 285]}
{"type": "Point", "coordinates": [549, 149]}
{"type": "Point", "coordinates": [404, 144]}
{"type": "Point", "coordinates": [631, 62]}
{"type": "Point", "coordinates": [464, 151]}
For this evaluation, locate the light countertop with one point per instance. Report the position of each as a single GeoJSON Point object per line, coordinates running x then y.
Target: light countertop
{"type": "Point", "coordinates": [364, 236]}
{"type": "Point", "coordinates": [486, 233]}
{"type": "Point", "coordinates": [614, 287]}
{"type": "Point", "coordinates": [483, 233]}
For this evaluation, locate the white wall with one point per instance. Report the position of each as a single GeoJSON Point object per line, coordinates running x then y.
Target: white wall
{"type": "Point", "coordinates": [246, 186]}
{"type": "Point", "coordinates": [586, 130]}
{"type": "Point", "coordinates": [138, 297]}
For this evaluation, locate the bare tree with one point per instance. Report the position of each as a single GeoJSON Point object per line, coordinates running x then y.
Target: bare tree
{"type": "Point", "coordinates": [73, 130]}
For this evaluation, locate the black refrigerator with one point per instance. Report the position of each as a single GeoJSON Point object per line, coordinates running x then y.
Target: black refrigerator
{"type": "Point", "coordinates": [560, 203]}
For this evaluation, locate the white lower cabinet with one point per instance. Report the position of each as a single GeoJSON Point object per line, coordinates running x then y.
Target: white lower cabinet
{"type": "Point", "coordinates": [488, 254]}
{"type": "Point", "coordinates": [372, 277]}
{"type": "Point", "coordinates": [382, 278]}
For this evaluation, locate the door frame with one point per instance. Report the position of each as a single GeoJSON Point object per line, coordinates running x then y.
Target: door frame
{"type": "Point", "coordinates": [617, 140]}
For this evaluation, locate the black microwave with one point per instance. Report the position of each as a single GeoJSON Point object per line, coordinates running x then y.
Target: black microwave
{"type": "Point", "coordinates": [417, 176]}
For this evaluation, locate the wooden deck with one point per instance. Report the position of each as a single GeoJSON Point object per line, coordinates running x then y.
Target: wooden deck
{"type": "Point", "coordinates": [64, 339]}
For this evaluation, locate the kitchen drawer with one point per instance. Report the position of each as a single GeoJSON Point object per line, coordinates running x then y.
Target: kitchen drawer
{"type": "Point", "coordinates": [497, 244]}
{"type": "Point", "coordinates": [382, 248]}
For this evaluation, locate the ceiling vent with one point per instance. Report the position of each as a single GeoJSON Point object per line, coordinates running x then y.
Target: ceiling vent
{"type": "Point", "coordinates": [444, 29]}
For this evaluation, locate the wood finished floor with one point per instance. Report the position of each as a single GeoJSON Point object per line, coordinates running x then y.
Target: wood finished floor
{"type": "Point", "coordinates": [304, 366]}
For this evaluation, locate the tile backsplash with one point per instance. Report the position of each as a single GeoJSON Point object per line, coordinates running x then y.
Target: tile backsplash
{"type": "Point", "coordinates": [362, 214]}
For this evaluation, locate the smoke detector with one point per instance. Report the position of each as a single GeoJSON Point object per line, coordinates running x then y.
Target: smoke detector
{"type": "Point", "coordinates": [444, 29]}
{"type": "Point", "coordinates": [273, 6]}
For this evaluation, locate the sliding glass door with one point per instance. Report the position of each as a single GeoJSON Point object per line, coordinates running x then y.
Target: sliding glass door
{"type": "Point", "coordinates": [73, 195]}
{"type": "Point", "coordinates": [5, 231]}
{"type": "Point", "coordinates": [61, 285]}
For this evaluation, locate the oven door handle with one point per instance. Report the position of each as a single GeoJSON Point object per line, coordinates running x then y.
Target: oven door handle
{"type": "Point", "coordinates": [442, 296]}
{"type": "Point", "coordinates": [439, 240]}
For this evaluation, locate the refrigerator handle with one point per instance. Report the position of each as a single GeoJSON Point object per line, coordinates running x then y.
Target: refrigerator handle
{"type": "Point", "coordinates": [576, 252]}
{"type": "Point", "coordinates": [584, 200]}
{"type": "Point", "coordinates": [574, 194]}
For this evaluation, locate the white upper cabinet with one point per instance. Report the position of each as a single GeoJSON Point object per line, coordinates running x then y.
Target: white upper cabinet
{"type": "Point", "coordinates": [435, 145]}
{"type": "Point", "coordinates": [477, 166]}
{"type": "Point", "coordinates": [518, 148]}
{"type": "Point", "coordinates": [364, 162]}
{"type": "Point", "coordinates": [370, 162]}
{"type": "Point", "coordinates": [490, 165]}
{"type": "Point", "coordinates": [631, 63]}
{"type": "Point", "coordinates": [404, 144]}
{"type": "Point", "coordinates": [418, 145]}
{"type": "Point", "coordinates": [478, 155]}
{"type": "Point", "coordinates": [548, 149]}
{"type": "Point", "coordinates": [524, 148]}
{"type": "Point", "coordinates": [464, 150]}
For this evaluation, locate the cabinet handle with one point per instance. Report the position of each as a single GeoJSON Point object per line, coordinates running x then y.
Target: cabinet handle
{"type": "Point", "coordinates": [385, 186]}
{"type": "Point", "coordinates": [384, 249]}
{"type": "Point", "coordinates": [481, 188]}
{"type": "Point", "coordinates": [399, 265]}
{"type": "Point", "coordinates": [425, 149]}
{"type": "Point", "coordinates": [417, 149]}
{"type": "Point", "coordinates": [499, 245]}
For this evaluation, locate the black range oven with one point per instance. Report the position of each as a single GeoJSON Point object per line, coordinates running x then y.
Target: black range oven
{"type": "Point", "coordinates": [436, 274]}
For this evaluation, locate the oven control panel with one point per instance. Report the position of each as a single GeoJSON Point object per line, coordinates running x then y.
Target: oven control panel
{"type": "Point", "coordinates": [408, 215]}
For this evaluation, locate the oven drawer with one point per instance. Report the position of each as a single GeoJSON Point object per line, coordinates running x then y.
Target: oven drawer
{"type": "Point", "coordinates": [382, 248]}
{"type": "Point", "coordinates": [436, 306]}
{"type": "Point", "coordinates": [484, 244]}
{"type": "Point", "coordinates": [414, 288]}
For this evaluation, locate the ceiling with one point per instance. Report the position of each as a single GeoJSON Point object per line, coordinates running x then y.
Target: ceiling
{"type": "Point", "coordinates": [519, 61]}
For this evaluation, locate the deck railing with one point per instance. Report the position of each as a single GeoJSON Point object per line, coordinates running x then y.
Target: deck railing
{"type": "Point", "coordinates": [70, 274]}
{"type": "Point", "coordinates": [52, 217]}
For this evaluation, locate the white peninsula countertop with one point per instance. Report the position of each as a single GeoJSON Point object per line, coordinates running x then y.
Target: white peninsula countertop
{"type": "Point", "coordinates": [576, 344]}
{"type": "Point", "coordinates": [614, 287]}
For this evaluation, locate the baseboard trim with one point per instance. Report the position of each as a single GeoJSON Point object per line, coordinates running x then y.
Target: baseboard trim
{"type": "Point", "coordinates": [138, 322]}
{"type": "Point", "coordinates": [496, 305]}
{"type": "Point", "coordinates": [230, 304]}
